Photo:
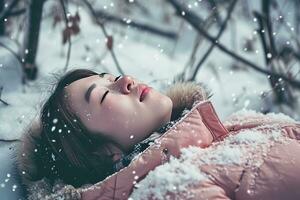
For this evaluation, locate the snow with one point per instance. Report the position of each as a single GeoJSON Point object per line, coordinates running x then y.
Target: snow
{"type": "Point", "coordinates": [151, 59]}
{"type": "Point", "coordinates": [55, 121]}
{"type": "Point", "coordinates": [246, 116]}
{"type": "Point", "coordinates": [176, 176]}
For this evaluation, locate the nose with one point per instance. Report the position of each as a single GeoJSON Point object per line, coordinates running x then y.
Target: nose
{"type": "Point", "coordinates": [125, 84]}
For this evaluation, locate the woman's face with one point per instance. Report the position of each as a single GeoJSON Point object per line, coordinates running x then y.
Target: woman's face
{"type": "Point", "coordinates": [121, 108]}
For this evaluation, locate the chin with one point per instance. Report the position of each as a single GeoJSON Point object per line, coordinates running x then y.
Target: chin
{"type": "Point", "coordinates": [167, 106]}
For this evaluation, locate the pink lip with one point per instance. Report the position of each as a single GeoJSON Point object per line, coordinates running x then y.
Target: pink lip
{"type": "Point", "coordinates": [145, 90]}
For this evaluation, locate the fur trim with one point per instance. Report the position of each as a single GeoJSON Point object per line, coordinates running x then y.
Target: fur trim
{"type": "Point", "coordinates": [25, 155]}
{"type": "Point", "coordinates": [185, 95]}
{"type": "Point", "coordinates": [42, 189]}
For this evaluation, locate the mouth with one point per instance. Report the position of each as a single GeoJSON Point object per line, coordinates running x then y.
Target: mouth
{"type": "Point", "coordinates": [144, 91]}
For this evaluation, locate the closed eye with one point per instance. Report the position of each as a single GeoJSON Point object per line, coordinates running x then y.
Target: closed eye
{"type": "Point", "coordinates": [104, 96]}
{"type": "Point", "coordinates": [117, 78]}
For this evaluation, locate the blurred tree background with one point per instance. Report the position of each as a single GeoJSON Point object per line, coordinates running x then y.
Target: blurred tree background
{"type": "Point", "coordinates": [275, 26]}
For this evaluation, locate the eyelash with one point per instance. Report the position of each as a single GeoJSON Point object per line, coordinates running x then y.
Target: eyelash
{"type": "Point", "coordinates": [117, 78]}
{"type": "Point", "coordinates": [107, 90]}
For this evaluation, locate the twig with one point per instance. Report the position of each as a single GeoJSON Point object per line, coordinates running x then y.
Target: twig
{"type": "Point", "coordinates": [7, 9]}
{"type": "Point", "coordinates": [89, 6]}
{"type": "Point", "coordinates": [2, 23]}
{"type": "Point", "coordinates": [193, 19]}
{"type": "Point", "coordinates": [12, 52]}
{"type": "Point", "coordinates": [143, 27]}
{"type": "Point", "coordinates": [4, 102]}
{"type": "Point", "coordinates": [69, 38]}
{"type": "Point", "coordinates": [141, 7]}
{"type": "Point", "coordinates": [12, 140]}
{"type": "Point", "coordinates": [282, 92]}
{"type": "Point", "coordinates": [297, 18]}
{"type": "Point", "coordinates": [188, 69]}
{"type": "Point", "coordinates": [16, 12]}
{"type": "Point", "coordinates": [213, 6]}
{"type": "Point", "coordinates": [179, 30]}
{"type": "Point", "coordinates": [262, 37]}
{"type": "Point", "coordinates": [223, 27]}
{"type": "Point", "coordinates": [269, 29]}
{"type": "Point", "coordinates": [283, 21]}
{"type": "Point", "coordinates": [31, 39]}
{"type": "Point", "coordinates": [206, 25]}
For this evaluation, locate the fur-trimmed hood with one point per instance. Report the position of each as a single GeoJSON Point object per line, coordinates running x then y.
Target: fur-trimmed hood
{"type": "Point", "coordinates": [184, 95]}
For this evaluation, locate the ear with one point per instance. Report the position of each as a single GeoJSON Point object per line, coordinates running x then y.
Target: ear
{"type": "Point", "coordinates": [185, 95]}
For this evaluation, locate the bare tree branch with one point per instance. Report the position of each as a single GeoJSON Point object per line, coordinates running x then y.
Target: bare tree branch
{"type": "Point", "coordinates": [213, 7]}
{"type": "Point", "coordinates": [104, 16]}
{"type": "Point", "coordinates": [188, 69]}
{"type": "Point", "coordinates": [31, 39]}
{"type": "Point", "coordinates": [13, 140]}
{"type": "Point", "coordinates": [139, 6]}
{"type": "Point", "coordinates": [16, 12]}
{"type": "Point", "coordinates": [4, 102]}
{"type": "Point", "coordinates": [280, 89]}
{"type": "Point", "coordinates": [69, 38]}
{"type": "Point", "coordinates": [223, 27]}
{"type": "Point", "coordinates": [7, 9]}
{"type": "Point", "coordinates": [206, 24]}
{"type": "Point", "coordinates": [108, 38]}
{"type": "Point", "coordinates": [2, 23]}
{"type": "Point", "coordinates": [293, 34]}
{"type": "Point", "coordinates": [12, 52]}
{"type": "Point", "coordinates": [193, 19]}
{"type": "Point", "coordinates": [297, 17]}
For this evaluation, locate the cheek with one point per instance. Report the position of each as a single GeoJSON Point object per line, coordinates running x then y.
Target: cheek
{"type": "Point", "coordinates": [112, 117]}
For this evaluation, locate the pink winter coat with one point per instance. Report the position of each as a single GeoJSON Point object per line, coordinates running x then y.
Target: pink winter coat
{"type": "Point", "coordinates": [252, 157]}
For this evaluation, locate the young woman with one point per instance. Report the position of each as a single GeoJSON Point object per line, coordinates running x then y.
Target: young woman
{"type": "Point", "coordinates": [121, 139]}
{"type": "Point", "coordinates": [92, 125]}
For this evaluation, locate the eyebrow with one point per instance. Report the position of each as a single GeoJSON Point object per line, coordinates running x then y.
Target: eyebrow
{"type": "Point", "coordinates": [90, 89]}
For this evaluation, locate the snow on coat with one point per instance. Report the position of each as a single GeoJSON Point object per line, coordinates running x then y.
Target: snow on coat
{"type": "Point", "coordinates": [251, 156]}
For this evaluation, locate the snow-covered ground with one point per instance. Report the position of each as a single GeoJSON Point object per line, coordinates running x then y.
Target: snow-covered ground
{"type": "Point", "coordinates": [149, 58]}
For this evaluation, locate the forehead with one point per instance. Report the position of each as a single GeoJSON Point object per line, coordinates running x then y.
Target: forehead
{"type": "Point", "coordinates": [84, 83]}
{"type": "Point", "coordinates": [76, 90]}
{"type": "Point", "coordinates": [80, 85]}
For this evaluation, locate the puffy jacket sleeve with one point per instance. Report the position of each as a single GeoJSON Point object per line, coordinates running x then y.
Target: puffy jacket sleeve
{"type": "Point", "coordinates": [205, 190]}
{"type": "Point", "coordinates": [292, 131]}
{"type": "Point", "coordinates": [252, 119]}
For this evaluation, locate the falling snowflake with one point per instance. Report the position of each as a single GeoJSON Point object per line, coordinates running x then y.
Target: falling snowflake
{"type": "Point", "coordinates": [53, 156]}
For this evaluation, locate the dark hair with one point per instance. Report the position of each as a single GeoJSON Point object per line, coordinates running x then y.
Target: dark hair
{"type": "Point", "coordinates": [65, 149]}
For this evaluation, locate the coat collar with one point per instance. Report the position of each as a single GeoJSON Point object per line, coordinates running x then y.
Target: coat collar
{"type": "Point", "coordinates": [211, 120]}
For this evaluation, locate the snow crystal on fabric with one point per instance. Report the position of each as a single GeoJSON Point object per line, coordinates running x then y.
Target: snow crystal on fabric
{"type": "Point", "coordinates": [245, 116]}
{"type": "Point", "coordinates": [170, 177]}
{"type": "Point", "coordinates": [239, 149]}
